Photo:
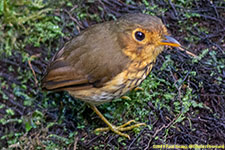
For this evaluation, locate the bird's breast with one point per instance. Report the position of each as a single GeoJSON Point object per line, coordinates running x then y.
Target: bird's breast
{"type": "Point", "coordinates": [118, 86]}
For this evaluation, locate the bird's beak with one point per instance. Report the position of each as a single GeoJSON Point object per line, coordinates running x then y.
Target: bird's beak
{"type": "Point", "coordinates": [170, 42]}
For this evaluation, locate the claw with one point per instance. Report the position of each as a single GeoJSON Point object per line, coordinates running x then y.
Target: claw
{"type": "Point", "coordinates": [126, 98]}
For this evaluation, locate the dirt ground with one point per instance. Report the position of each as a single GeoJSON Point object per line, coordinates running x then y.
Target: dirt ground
{"type": "Point", "coordinates": [27, 120]}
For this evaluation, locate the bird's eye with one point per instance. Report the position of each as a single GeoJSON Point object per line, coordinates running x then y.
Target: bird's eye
{"type": "Point", "coordinates": [139, 36]}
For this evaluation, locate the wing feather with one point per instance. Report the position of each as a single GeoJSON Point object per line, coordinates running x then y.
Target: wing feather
{"type": "Point", "coordinates": [86, 61]}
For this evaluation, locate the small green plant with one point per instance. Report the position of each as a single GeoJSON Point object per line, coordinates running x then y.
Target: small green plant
{"type": "Point", "coordinates": [151, 9]}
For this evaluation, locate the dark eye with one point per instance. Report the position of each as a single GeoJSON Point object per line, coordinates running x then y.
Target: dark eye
{"type": "Point", "coordinates": [139, 35]}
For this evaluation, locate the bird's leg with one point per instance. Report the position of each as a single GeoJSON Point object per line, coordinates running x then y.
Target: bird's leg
{"type": "Point", "coordinates": [116, 129]}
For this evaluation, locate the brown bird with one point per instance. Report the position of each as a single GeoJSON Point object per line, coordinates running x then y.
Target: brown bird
{"type": "Point", "coordinates": [107, 60]}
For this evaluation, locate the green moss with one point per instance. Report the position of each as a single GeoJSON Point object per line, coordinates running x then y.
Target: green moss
{"type": "Point", "coordinates": [26, 22]}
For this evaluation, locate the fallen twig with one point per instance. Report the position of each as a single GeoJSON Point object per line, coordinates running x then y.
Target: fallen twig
{"type": "Point", "coordinates": [160, 129]}
{"type": "Point", "coordinates": [75, 142]}
{"type": "Point", "coordinates": [189, 53]}
{"type": "Point", "coordinates": [30, 65]}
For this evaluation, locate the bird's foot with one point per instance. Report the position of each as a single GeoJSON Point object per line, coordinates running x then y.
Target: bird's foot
{"type": "Point", "coordinates": [118, 129]}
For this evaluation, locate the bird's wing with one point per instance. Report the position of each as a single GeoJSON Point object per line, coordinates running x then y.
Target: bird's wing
{"type": "Point", "coordinates": [89, 60]}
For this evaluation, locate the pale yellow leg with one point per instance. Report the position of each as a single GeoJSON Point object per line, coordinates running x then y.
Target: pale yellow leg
{"type": "Point", "coordinates": [113, 128]}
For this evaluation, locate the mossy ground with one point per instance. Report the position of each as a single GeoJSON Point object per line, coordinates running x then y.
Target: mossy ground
{"type": "Point", "coordinates": [182, 101]}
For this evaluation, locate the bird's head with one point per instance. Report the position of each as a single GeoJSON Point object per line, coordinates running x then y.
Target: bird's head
{"type": "Point", "coordinates": [143, 36]}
